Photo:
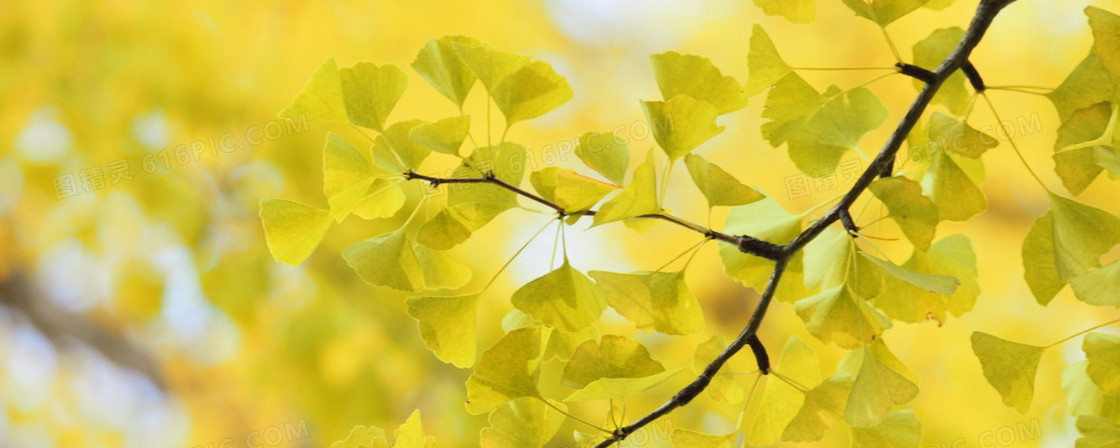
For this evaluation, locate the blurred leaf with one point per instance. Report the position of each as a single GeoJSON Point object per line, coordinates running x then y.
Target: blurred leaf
{"type": "Point", "coordinates": [764, 63]}
{"type": "Point", "coordinates": [639, 197]}
{"type": "Point", "coordinates": [606, 153]}
{"type": "Point", "coordinates": [1097, 432]}
{"type": "Point", "coordinates": [1083, 397]}
{"type": "Point", "coordinates": [883, 12]}
{"type": "Point", "coordinates": [321, 98]}
{"type": "Point", "coordinates": [563, 299]}
{"type": "Point", "coordinates": [439, 64]}
{"type": "Point", "coordinates": [658, 301]}
{"type": "Point", "coordinates": [508, 370]}
{"type": "Point", "coordinates": [1098, 286]}
{"type": "Point", "coordinates": [718, 186]}
{"type": "Point", "coordinates": [681, 123]}
{"type": "Point", "coordinates": [531, 91]}
{"type": "Point", "coordinates": [611, 357]}
{"type": "Point", "coordinates": [523, 422]}
{"type": "Point", "coordinates": [781, 402]}
{"type": "Point", "coordinates": [292, 230]}
{"type": "Point", "coordinates": [796, 11]}
{"type": "Point", "coordinates": [1103, 353]}
{"type": "Point", "coordinates": [363, 437]}
{"type": "Point", "coordinates": [1010, 367]}
{"type": "Point", "coordinates": [1106, 37]}
{"type": "Point", "coordinates": [447, 325]}
{"type": "Point", "coordinates": [371, 92]}
{"type": "Point", "coordinates": [693, 439]}
{"type": "Point", "coordinates": [411, 434]}
{"type": "Point", "coordinates": [915, 214]}
{"type": "Point", "coordinates": [444, 136]}
{"type": "Point", "coordinates": [696, 77]}
{"type": "Point", "coordinates": [898, 430]}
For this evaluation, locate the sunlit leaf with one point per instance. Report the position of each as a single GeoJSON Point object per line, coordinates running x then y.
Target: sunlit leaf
{"type": "Point", "coordinates": [1103, 352]}
{"type": "Point", "coordinates": [781, 402]}
{"type": "Point", "coordinates": [689, 438]}
{"type": "Point", "coordinates": [1083, 397]}
{"type": "Point", "coordinates": [1039, 264]}
{"type": "Point", "coordinates": [1081, 235]}
{"type": "Point", "coordinates": [563, 299]}
{"type": "Point", "coordinates": [928, 54]}
{"type": "Point", "coordinates": [796, 11]}
{"type": "Point", "coordinates": [439, 65]}
{"type": "Point", "coordinates": [441, 271]}
{"type": "Point", "coordinates": [347, 176]}
{"type": "Point", "coordinates": [718, 186]}
{"type": "Point", "coordinates": [681, 123]}
{"type": "Point", "coordinates": [835, 315]}
{"type": "Point", "coordinates": [915, 214]}
{"type": "Point", "coordinates": [658, 301]}
{"type": "Point", "coordinates": [383, 199]}
{"type": "Point", "coordinates": [620, 388]}
{"type": "Point", "coordinates": [789, 105]}
{"type": "Point", "coordinates": [386, 260]}
{"type": "Point", "coordinates": [639, 197]}
{"type": "Point", "coordinates": [447, 325]}
{"type": "Point", "coordinates": [531, 91]}
{"type": "Point", "coordinates": [445, 230]}
{"type": "Point", "coordinates": [697, 77]}
{"type": "Point", "coordinates": [824, 406]}
{"type": "Point", "coordinates": [321, 98]}
{"type": "Point", "coordinates": [958, 137]}
{"type": "Point", "coordinates": [935, 283]}
{"type": "Point", "coordinates": [1089, 83]}
{"type": "Point", "coordinates": [898, 430]}
{"type": "Point", "coordinates": [292, 230]}
{"type": "Point", "coordinates": [523, 422]}
{"type": "Point", "coordinates": [766, 67]}
{"type": "Point", "coordinates": [1010, 368]}
{"type": "Point", "coordinates": [768, 221]}
{"type": "Point", "coordinates": [411, 434]}
{"type": "Point", "coordinates": [489, 65]}
{"type": "Point", "coordinates": [396, 141]}
{"type": "Point", "coordinates": [951, 256]}
{"type": "Point", "coordinates": [444, 136]}
{"type": "Point", "coordinates": [371, 92]}
{"type": "Point", "coordinates": [611, 357]}
{"type": "Point", "coordinates": [956, 195]}
{"type": "Point", "coordinates": [508, 370]}
{"type": "Point", "coordinates": [1079, 139]}
{"type": "Point", "coordinates": [883, 12]}
{"type": "Point", "coordinates": [1098, 286]}
{"type": "Point", "coordinates": [606, 153]}
{"type": "Point", "coordinates": [578, 193]}
{"type": "Point", "coordinates": [482, 202]}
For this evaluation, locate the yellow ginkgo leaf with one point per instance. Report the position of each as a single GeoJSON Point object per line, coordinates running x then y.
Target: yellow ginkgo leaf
{"type": "Point", "coordinates": [951, 256]}
{"type": "Point", "coordinates": [508, 370]}
{"type": "Point", "coordinates": [718, 186]}
{"type": "Point", "coordinates": [611, 357]}
{"type": "Point", "coordinates": [898, 430]}
{"type": "Point", "coordinates": [523, 422]}
{"type": "Point", "coordinates": [1010, 368]}
{"type": "Point", "coordinates": [444, 136]}
{"type": "Point", "coordinates": [620, 388]}
{"type": "Point", "coordinates": [321, 98]}
{"type": "Point", "coordinates": [363, 437]}
{"type": "Point", "coordinates": [1081, 235]}
{"type": "Point", "coordinates": [445, 230]}
{"type": "Point", "coordinates": [824, 406]}
{"type": "Point", "coordinates": [836, 316]}
{"type": "Point", "coordinates": [395, 141]}
{"type": "Point", "coordinates": [796, 11]}
{"type": "Point", "coordinates": [441, 271]}
{"type": "Point", "coordinates": [915, 214]}
{"type": "Point", "coordinates": [440, 66]}
{"type": "Point", "coordinates": [384, 198]}
{"type": "Point", "coordinates": [1098, 286]}
{"type": "Point", "coordinates": [693, 439]}
{"type": "Point", "coordinates": [386, 260]}
{"type": "Point", "coordinates": [764, 63]}
{"type": "Point", "coordinates": [347, 176]}
{"type": "Point", "coordinates": [578, 193]}
{"type": "Point", "coordinates": [411, 434]}
{"type": "Point", "coordinates": [1103, 353]}
{"type": "Point", "coordinates": [1106, 36]}
{"type": "Point", "coordinates": [958, 136]}
{"type": "Point", "coordinates": [564, 299]}
{"type": "Point", "coordinates": [681, 123]}
{"type": "Point", "coordinates": [928, 54]}
{"type": "Point", "coordinates": [956, 195]}
{"type": "Point", "coordinates": [1040, 269]}
{"type": "Point", "coordinates": [780, 402]}
{"type": "Point", "coordinates": [883, 12]}
{"type": "Point", "coordinates": [639, 197]}
{"type": "Point", "coordinates": [725, 385]}
{"type": "Point", "coordinates": [292, 230]}
{"type": "Point", "coordinates": [605, 152]}
{"type": "Point", "coordinates": [533, 90]}
{"type": "Point", "coordinates": [658, 301]}
{"type": "Point", "coordinates": [1097, 432]}
{"type": "Point", "coordinates": [935, 283]}
{"type": "Point", "coordinates": [447, 325]}
{"type": "Point", "coordinates": [1083, 397]}
{"type": "Point", "coordinates": [697, 77]}
{"type": "Point", "coordinates": [881, 382]}
{"type": "Point", "coordinates": [489, 65]}
{"type": "Point", "coordinates": [371, 92]}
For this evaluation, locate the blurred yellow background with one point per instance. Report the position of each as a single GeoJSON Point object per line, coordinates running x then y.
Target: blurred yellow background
{"type": "Point", "coordinates": [200, 339]}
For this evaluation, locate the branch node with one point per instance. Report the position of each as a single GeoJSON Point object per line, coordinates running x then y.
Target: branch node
{"type": "Point", "coordinates": [848, 223]}
{"type": "Point", "coordinates": [973, 76]}
{"type": "Point", "coordinates": [754, 246]}
{"type": "Point", "coordinates": [916, 72]}
{"type": "Point", "coordinates": [760, 355]}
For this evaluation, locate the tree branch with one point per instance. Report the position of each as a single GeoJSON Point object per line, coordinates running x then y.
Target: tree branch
{"type": "Point", "coordinates": [883, 163]}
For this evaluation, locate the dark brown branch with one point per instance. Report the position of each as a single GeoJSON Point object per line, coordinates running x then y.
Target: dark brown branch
{"type": "Point", "coordinates": [760, 355]}
{"type": "Point", "coordinates": [985, 13]}
{"type": "Point", "coordinates": [916, 72]}
{"type": "Point", "coordinates": [973, 77]}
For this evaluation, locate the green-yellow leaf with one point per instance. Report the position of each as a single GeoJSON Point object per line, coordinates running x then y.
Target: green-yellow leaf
{"type": "Point", "coordinates": [883, 12]}
{"type": "Point", "coordinates": [1088, 84]}
{"type": "Point", "coordinates": [817, 146]}
{"type": "Point", "coordinates": [383, 199]}
{"type": "Point", "coordinates": [956, 195]}
{"type": "Point", "coordinates": [1081, 235]}
{"type": "Point", "coordinates": [444, 136]}
{"type": "Point", "coordinates": [1040, 268]}
{"type": "Point", "coordinates": [835, 315]}
{"type": "Point", "coordinates": [371, 92]}
{"type": "Point", "coordinates": [899, 429]}
{"type": "Point", "coordinates": [363, 437]}
{"type": "Point", "coordinates": [882, 382]}
{"type": "Point", "coordinates": [411, 434]}
{"type": "Point", "coordinates": [764, 63]}
{"type": "Point", "coordinates": [768, 221]}
{"type": "Point", "coordinates": [1080, 137]}
{"type": "Point", "coordinates": [951, 256]}
{"type": "Point", "coordinates": [447, 325]}
{"type": "Point", "coordinates": [292, 230]}
{"type": "Point", "coordinates": [445, 230]}
{"type": "Point", "coordinates": [830, 260]}
{"type": "Point", "coordinates": [725, 384]}
{"type": "Point", "coordinates": [523, 422]}
{"type": "Point", "coordinates": [681, 123]}
{"type": "Point", "coordinates": [639, 197]}
{"type": "Point", "coordinates": [440, 66]}
{"type": "Point", "coordinates": [1083, 397]}
{"type": "Point", "coordinates": [482, 202]}
{"type": "Point", "coordinates": [824, 406]}
{"type": "Point", "coordinates": [563, 299]}
{"type": "Point", "coordinates": [395, 141]}
{"type": "Point", "coordinates": [611, 357]}
{"type": "Point", "coordinates": [790, 103]}
{"type": "Point", "coordinates": [1106, 37]}
{"type": "Point", "coordinates": [915, 214]}
{"type": "Point", "coordinates": [929, 53]}
{"type": "Point", "coordinates": [697, 77]}
{"type": "Point", "coordinates": [386, 260]}
{"type": "Point", "coordinates": [606, 153]}
{"type": "Point", "coordinates": [1097, 432]}
{"type": "Point", "coordinates": [1098, 286]}
{"type": "Point", "coordinates": [693, 439]}
{"type": "Point", "coordinates": [958, 136]}
{"type": "Point", "coordinates": [796, 11]}
{"type": "Point", "coordinates": [578, 193]}
{"type": "Point", "coordinates": [489, 65]}
{"type": "Point", "coordinates": [347, 176]}
{"type": "Point", "coordinates": [658, 301]}
{"type": "Point", "coordinates": [533, 90]}
{"type": "Point", "coordinates": [321, 98]}
{"type": "Point", "coordinates": [508, 370]}
{"type": "Point", "coordinates": [1010, 368]}
{"type": "Point", "coordinates": [1103, 352]}
{"type": "Point", "coordinates": [781, 402]}
{"type": "Point", "coordinates": [718, 186]}
{"type": "Point", "coordinates": [620, 388]}
{"type": "Point", "coordinates": [441, 271]}
{"type": "Point", "coordinates": [935, 283]}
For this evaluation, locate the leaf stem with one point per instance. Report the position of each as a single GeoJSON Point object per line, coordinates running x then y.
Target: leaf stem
{"type": "Point", "coordinates": [691, 249]}
{"type": "Point", "coordinates": [1014, 145]}
{"type": "Point", "coordinates": [515, 254]}
{"type": "Point", "coordinates": [1079, 333]}
{"type": "Point", "coordinates": [843, 68]}
{"type": "Point", "coordinates": [600, 428]}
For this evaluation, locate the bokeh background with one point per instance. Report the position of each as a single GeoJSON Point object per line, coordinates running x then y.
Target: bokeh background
{"type": "Point", "coordinates": [142, 309]}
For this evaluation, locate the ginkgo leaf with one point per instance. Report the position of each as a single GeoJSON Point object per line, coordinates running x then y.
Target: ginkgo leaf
{"type": "Point", "coordinates": [693, 439]}
{"type": "Point", "coordinates": [611, 357]}
{"type": "Point", "coordinates": [447, 325]}
{"type": "Point", "coordinates": [561, 344]}
{"type": "Point", "coordinates": [681, 123]}
{"type": "Point", "coordinates": [764, 63]}
{"type": "Point", "coordinates": [835, 315]}
{"type": "Point", "coordinates": [445, 230]}
{"type": "Point", "coordinates": [489, 65]}
{"type": "Point", "coordinates": [1106, 36]}
{"type": "Point", "coordinates": [1107, 159]}
{"type": "Point", "coordinates": [441, 271]}
{"type": "Point", "coordinates": [384, 198]}
{"type": "Point", "coordinates": [563, 299]}
{"type": "Point", "coordinates": [508, 370]}
{"type": "Point", "coordinates": [395, 141]}
{"type": "Point", "coordinates": [321, 98]}
{"type": "Point", "coordinates": [523, 422]}
{"type": "Point", "coordinates": [347, 176]}
{"type": "Point", "coordinates": [790, 103]}
{"type": "Point", "coordinates": [440, 66]}
{"type": "Point", "coordinates": [953, 192]}
{"type": "Point", "coordinates": [938, 5]}
{"type": "Point", "coordinates": [796, 11]}
{"type": "Point", "coordinates": [1075, 157]}
{"type": "Point", "coordinates": [1089, 83]}
{"type": "Point", "coordinates": [1083, 397]}
{"type": "Point", "coordinates": [935, 283]}
{"type": "Point", "coordinates": [545, 180]}
{"type": "Point", "coordinates": [482, 202]}
{"type": "Point", "coordinates": [958, 136]}
{"type": "Point", "coordinates": [1010, 368]}
{"type": "Point", "coordinates": [620, 388]}
{"type": "Point", "coordinates": [1098, 286]}
{"type": "Point", "coordinates": [824, 406]}
{"type": "Point", "coordinates": [915, 214]}
{"type": "Point", "coordinates": [881, 383]}
{"type": "Point", "coordinates": [578, 193]}
{"type": "Point", "coordinates": [444, 136]}
{"type": "Point", "coordinates": [606, 153]}
{"type": "Point", "coordinates": [292, 230]}
{"type": "Point", "coordinates": [386, 260]}
{"type": "Point", "coordinates": [1103, 352]}
{"type": "Point", "coordinates": [658, 301]}
{"type": "Point", "coordinates": [718, 186]}
{"type": "Point", "coordinates": [951, 256]}
{"type": "Point", "coordinates": [900, 429]}
{"type": "Point", "coordinates": [1040, 268]}
{"type": "Point", "coordinates": [1097, 432]}
{"type": "Point", "coordinates": [639, 197]}
{"type": "Point", "coordinates": [1081, 235]}
{"type": "Point", "coordinates": [411, 434]}
{"type": "Point", "coordinates": [533, 90]}
{"type": "Point", "coordinates": [363, 437]}
{"type": "Point", "coordinates": [883, 12]}
{"type": "Point", "coordinates": [767, 221]}
{"type": "Point", "coordinates": [697, 77]}
{"type": "Point", "coordinates": [724, 386]}
{"type": "Point", "coordinates": [830, 260]}
{"type": "Point", "coordinates": [781, 402]}
{"type": "Point", "coordinates": [371, 92]}
{"type": "Point", "coordinates": [928, 54]}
